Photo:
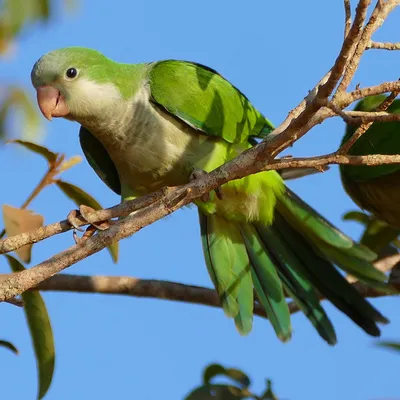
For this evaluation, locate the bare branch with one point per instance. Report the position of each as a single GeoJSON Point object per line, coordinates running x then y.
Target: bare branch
{"type": "Point", "coordinates": [359, 94]}
{"type": "Point", "coordinates": [378, 16]}
{"type": "Point", "coordinates": [13, 243]}
{"type": "Point", "coordinates": [151, 288]}
{"type": "Point", "coordinates": [347, 21]}
{"type": "Point", "coordinates": [207, 184]}
{"type": "Point", "coordinates": [374, 117]}
{"type": "Point", "coordinates": [383, 46]}
{"type": "Point", "coordinates": [308, 113]}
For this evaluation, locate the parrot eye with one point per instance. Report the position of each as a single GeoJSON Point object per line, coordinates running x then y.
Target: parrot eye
{"type": "Point", "coordinates": [71, 73]}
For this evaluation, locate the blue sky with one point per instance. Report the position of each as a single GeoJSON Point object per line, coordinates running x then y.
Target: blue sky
{"type": "Point", "coordinates": [114, 347]}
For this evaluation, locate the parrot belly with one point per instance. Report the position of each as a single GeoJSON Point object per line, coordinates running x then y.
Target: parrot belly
{"type": "Point", "coordinates": [152, 149]}
{"type": "Point", "coordinates": [380, 196]}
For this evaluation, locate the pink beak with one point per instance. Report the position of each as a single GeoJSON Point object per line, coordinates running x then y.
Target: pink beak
{"type": "Point", "coordinates": [51, 102]}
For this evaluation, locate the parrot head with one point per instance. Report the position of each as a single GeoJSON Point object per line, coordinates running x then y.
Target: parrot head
{"type": "Point", "coordinates": [73, 83]}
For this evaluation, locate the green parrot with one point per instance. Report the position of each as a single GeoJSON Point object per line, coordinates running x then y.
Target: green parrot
{"type": "Point", "coordinates": [151, 125]}
{"type": "Point", "coordinates": [376, 188]}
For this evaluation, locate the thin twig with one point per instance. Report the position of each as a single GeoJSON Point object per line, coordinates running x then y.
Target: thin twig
{"type": "Point", "coordinates": [47, 179]}
{"type": "Point", "coordinates": [344, 149]}
{"type": "Point", "coordinates": [358, 94]}
{"type": "Point", "coordinates": [347, 20]}
{"type": "Point", "coordinates": [15, 302]}
{"type": "Point", "coordinates": [378, 16]}
{"type": "Point", "coordinates": [383, 45]}
{"type": "Point", "coordinates": [310, 113]}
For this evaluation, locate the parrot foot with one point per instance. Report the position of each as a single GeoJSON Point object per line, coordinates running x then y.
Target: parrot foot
{"type": "Point", "coordinates": [199, 173]}
{"type": "Point", "coordinates": [90, 231]}
{"type": "Point", "coordinates": [169, 201]}
{"type": "Point", "coordinates": [77, 217]}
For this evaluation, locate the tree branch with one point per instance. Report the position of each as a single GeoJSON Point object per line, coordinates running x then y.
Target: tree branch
{"type": "Point", "coordinates": [383, 46]}
{"type": "Point", "coordinates": [152, 288]}
{"type": "Point", "coordinates": [13, 243]}
{"type": "Point", "coordinates": [347, 19]}
{"type": "Point", "coordinates": [366, 124]}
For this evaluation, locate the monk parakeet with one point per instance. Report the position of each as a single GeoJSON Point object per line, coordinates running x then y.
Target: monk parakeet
{"type": "Point", "coordinates": [376, 188]}
{"type": "Point", "coordinates": [151, 125]}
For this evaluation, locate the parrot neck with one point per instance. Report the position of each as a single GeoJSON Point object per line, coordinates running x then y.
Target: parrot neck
{"type": "Point", "coordinates": [116, 118]}
{"type": "Point", "coordinates": [107, 108]}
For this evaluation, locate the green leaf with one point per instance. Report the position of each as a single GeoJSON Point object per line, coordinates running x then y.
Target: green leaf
{"type": "Point", "coordinates": [13, 17]}
{"type": "Point", "coordinates": [269, 394]}
{"type": "Point", "coordinates": [9, 346]}
{"type": "Point", "coordinates": [236, 375]}
{"type": "Point", "coordinates": [218, 392]}
{"type": "Point", "coordinates": [41, 332]}
{"type": "Point", "coordinates": [377, 234]}
{"type": "Point", "coordinates": [79, 197]}
{"type": "Point", "coordinates": [27, 119]}
{"type": "Point", "coordinates": [357, 216]}
{"type": "Point", "coordinates": [211, 371]}
{"type": "Point", "coordinates": [390, 345]}
{"type": "Point", "coordinates": [42, 10]}
{"type": "Point", "coordinates": [36, 148]}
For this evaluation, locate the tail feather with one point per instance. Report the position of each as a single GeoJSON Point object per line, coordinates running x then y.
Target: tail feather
{"type": "Point", "coordinates": [221, 259]}
{"type": "Point", "coordinates": [267, 284]}
{"type": "Point", "coordinates": [291, 271]}
{"type": "Point", "coordinates": [357, 267]}
{"type": "Point", "coordinates": [352, 257]}
{"type": "Point", "coordinates": [296, 254]}
{"type": "Point", "coordinates": [302, 216]}
{"type": "Point", "coordinates": [229, 267]}
{"type": "Point", "coordinates": [330, 283]}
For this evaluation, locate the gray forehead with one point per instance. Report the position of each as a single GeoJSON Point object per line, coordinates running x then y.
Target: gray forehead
{"type": "Point", "coordinates": [47, 67]}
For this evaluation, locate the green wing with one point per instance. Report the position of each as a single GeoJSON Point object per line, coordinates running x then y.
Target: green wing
{"type": "Point", "coordinates": [203, 99]}
{"type": "Point", "coordinates": [99, 160]}
{"type": "Point", "coordinates": [380, 138]}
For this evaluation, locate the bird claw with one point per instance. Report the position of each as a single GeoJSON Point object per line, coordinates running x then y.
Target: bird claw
{"type": "Point", "coordinates": [90, 231]}
{"type": "Point", "coordinates": [85, 210]}
{"type": "Point", "coordinates": [199, 173]}
{"type": "Point", "coordinates": [74, 221]}
{"type": "Point", "coordinates": [75, 218]}
{"type": "Point", "coordinates": [171, 202]}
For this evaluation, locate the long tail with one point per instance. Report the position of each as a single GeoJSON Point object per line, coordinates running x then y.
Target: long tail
{"type": "Point", "coordinates": [294, 256]}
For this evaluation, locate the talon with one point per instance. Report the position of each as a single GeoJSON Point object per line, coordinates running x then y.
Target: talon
{"type": "Point", "coordinates": [75, 218]}
{"type": "Point", "coordinates": [74, 221]}
{"type": "Point", "coordinates": [90, 231]}
{"type": "Point", "coordinates": [219, 193]}
{"type": "Point", "coordinates": [206, 197]}
{"type": "Point", "coordinates": [77, 239]}
{"type": "Point", "coordinates": [170, 203]}
{"type": "Point", "coordinates": [85, 210]}
{"type": "Point", "coordinates": [199, 173]}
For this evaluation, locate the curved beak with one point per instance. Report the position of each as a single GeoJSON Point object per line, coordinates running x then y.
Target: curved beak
{"type": "Point", "coordinates": [51, 102]}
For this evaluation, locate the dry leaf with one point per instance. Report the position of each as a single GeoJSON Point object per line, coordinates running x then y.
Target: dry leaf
{"type": "Point", "coordinates": [69, 163]}
{"type": "Point", "coordinates": [17, 220]}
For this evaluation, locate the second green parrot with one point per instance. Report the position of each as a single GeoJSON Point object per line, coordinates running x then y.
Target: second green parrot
{"type": "Point", "coordinates": [376, 188]}
{"type": "Point", "coordinates": [151, 125]}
